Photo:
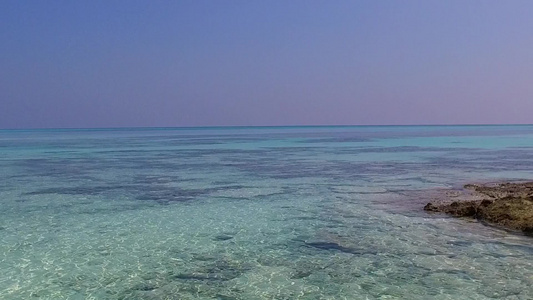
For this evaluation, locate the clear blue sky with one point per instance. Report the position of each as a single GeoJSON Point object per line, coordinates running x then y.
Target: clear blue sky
{"type": "Point", "coordinates": [203, 63]}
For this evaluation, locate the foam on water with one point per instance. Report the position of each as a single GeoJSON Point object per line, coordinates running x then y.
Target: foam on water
{"type": "Point", "coordinates": [255, 213]}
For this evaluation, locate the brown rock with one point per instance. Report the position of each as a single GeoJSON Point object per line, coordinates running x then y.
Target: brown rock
{"type": "Point", "coordinates": [509, 205]}
{"type": "Point", "coordinates": [431, 207]}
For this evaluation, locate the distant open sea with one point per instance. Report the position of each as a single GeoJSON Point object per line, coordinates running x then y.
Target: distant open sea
{"type": "Point", "coordinates": [256, 213]}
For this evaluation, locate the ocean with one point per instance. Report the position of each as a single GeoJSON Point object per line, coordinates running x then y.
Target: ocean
{"type": "Point", "coordinates": [256, 213]}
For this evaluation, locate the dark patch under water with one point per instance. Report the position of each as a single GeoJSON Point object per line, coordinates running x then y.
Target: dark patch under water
{"type": "Point", "coordinates": [331, 246]}
{"type": "Point", "coordinates": [155, 190]}
{"type": "Point", "coordinates": [166, 196]}
{"type": "Point", "coordinates": [222, 237]}
{"type": "Point", "coordinates": [78, 190]}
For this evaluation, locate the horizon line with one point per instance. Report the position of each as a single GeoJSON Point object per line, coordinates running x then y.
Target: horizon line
{"type": "Point", "coordinates": [255, 126]}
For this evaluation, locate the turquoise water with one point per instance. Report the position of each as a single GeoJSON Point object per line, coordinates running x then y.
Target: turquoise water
{"type": "Point", "coordinates": [256, 213]}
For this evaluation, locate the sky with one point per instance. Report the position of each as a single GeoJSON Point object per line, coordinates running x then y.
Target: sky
{"type": "Point", "coordinates": [79, 64]}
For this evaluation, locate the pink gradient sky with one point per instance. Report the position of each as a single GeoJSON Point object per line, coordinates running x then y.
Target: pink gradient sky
{"type": "Point", "coordinates": [208, 63]}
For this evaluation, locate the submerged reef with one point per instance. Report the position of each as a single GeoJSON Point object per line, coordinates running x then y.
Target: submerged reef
{"type": "Point", "coordinates": [508, 205]}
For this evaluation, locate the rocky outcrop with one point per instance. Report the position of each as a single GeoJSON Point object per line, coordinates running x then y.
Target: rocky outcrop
{"type": "Point", "coordinates": [509, 205]}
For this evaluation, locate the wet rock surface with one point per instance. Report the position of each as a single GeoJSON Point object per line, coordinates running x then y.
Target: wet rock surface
{"type": "Point", "coordinates": [509, 205]}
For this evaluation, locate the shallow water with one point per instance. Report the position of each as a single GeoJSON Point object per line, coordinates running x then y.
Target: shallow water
{"type": "Point", "coordinates": [256, 213]}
